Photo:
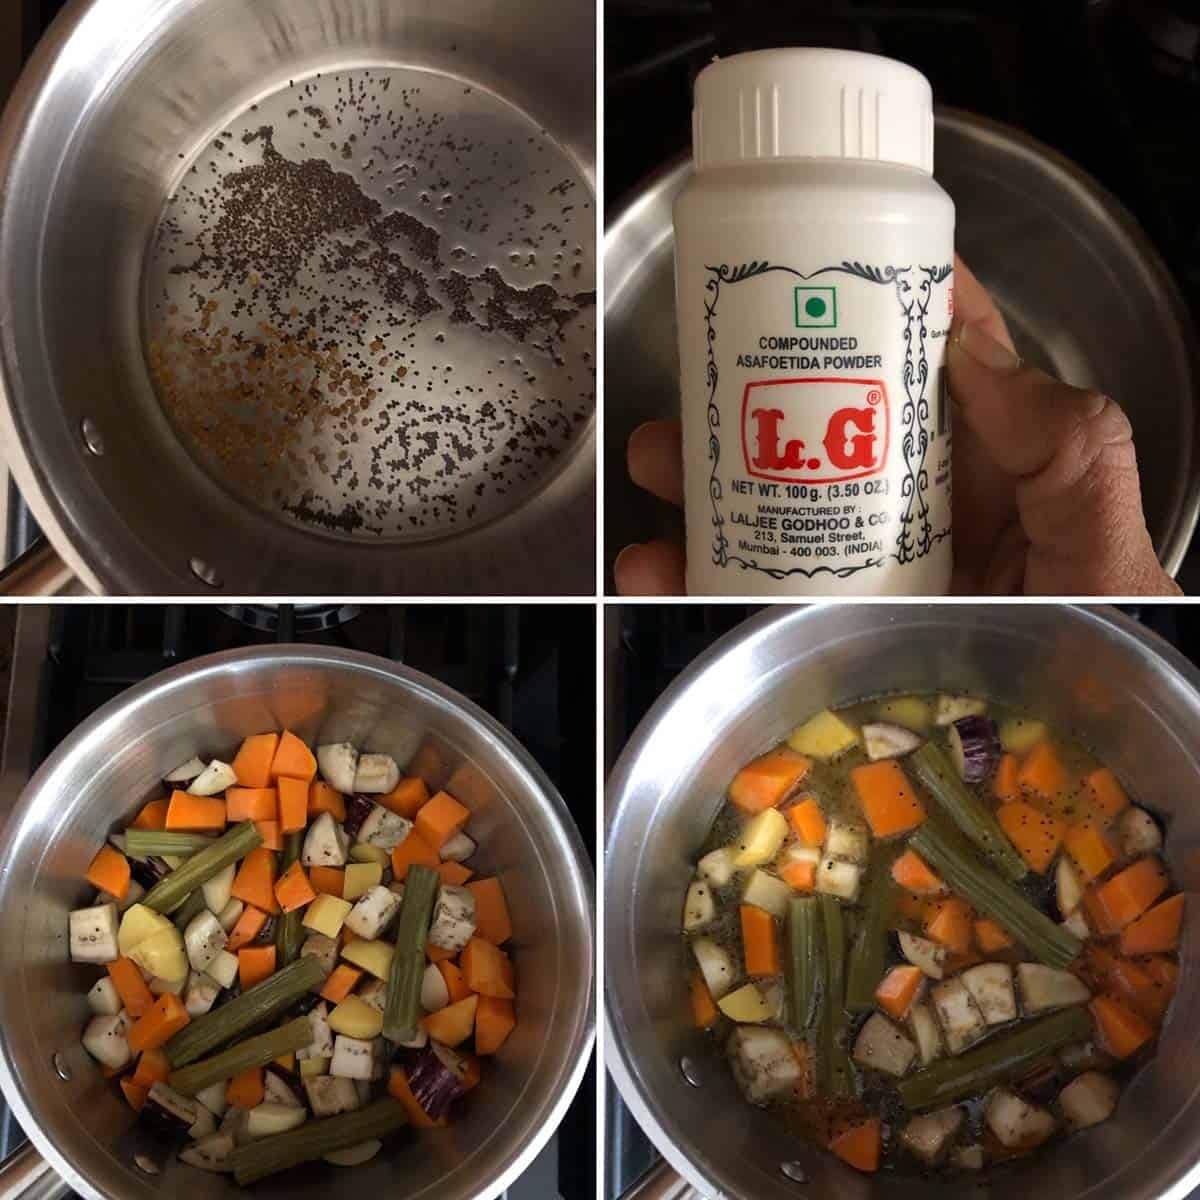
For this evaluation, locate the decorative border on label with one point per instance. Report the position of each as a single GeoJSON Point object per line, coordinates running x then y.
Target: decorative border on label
{"type": "Point", "coordinates": [914, 305]}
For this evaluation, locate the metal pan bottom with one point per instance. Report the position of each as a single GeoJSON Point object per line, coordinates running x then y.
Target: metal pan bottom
{"type": "Point", "coordinates": [369, 305]}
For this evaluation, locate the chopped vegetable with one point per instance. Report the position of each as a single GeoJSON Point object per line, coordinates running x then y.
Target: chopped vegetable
{"type": "Point", "coordinates": [838, 878]}
{"type": "Point", "coordinates": [1122, 1031]}
{"type": "Point", "coordinates": [195, 813]}
{"type": "Point", "coordinates": [717, 866]}
{"type": "Point", "coordinates": [747, 1005]}
{"type": "Point", "coordinates": [898, 990]}
{"type": "Point", "coordinates": [927, 1136]}
{"type": "Point", "coordinates": [1042, 772]}
{"type": "Point", "coordinates": [93, 934]}
{"type": "Point", "coordinates": [1138, 833]}
{"type": "Point", "coordinates": [859, 1143]}
{"type": "Point", "coordinates": [763, 1062]}
{"type": "Point", "coordinates": [990, 938]}
{"type": "Point", "coordinates": [958, 1013]}
{"type": "Point", "coordinates": [888, 802]}
{"type": "Point", "coordinates": [1004, 784]}
{"type": "Point", "coordinates": [1016, 1123]}
{"type": "Point", "coordinates": [951, 708]}
{"type": "Point", "coordinates": [769, 780]}
{"type": "Point", "coordinates": [495, 1019]}
{"type": "Point", "coordinates": [914, 875]}
{"type": "Point", "coordinates": [408, 960]}
{"type": "Point", "coordinates": [251, 1052]}
{"type": "Point", "coordinates": [1044, 988]}
{"type": "Point", "coordinates": [327, 914]}
{"type": "Point", "coordinates": [292, 759]}
{"type": "Point", "coordinates": [926, 1032]}
{"type": "Point", "coordinates": [1036, 836]}
{"type": "Point", "coordinates": [172, 891]}
{"type": "Point", "coordinates": [376, 774]}
{"type": "Point", "coordinates": [759, 944]}
{"type": "Point", "coordinates": [440, 819]}
{"type": "Point", "coordinates": [760, 839]}
{"type": "Point", "coordinates": [949, 923]}
{"type": "Point", "coordinates": [109, 872]}
{"type": "Point", "coordinates": [888, 741]}
{"type": "Point", "coordinates": [105, 1039]}
{"type": "Point", "coordinates": [974, 747]}
{"type": "Point", "coordinates": [808, 822]}
{"type": "Point", "coordinates": [910, 711]}
{"type": "Point", "coordinates": [1157, 930]}
{"type": "Point", "coordinates": [865, 963]}
{"type": "Point", "coordinates": [451, 1025]}
{"type": "Point", "coordinates": [486, 969]}
{"type": "Point", "coordinates": [881, 1046]}
{"type": "Point", "coordinates": [251, 804]}
{"type": "Point", "coordinates": [1132, 891]}
{"type": "Point", "coordinates": [824, 736]}
{"type": "Point", "coordinates": [928, 957]}
{"type": "Point", "coordinates": [767, 892]}
{"type": "Point", "coordinates": [803, 960]}
{"type": "Point", "coordinates": [1019, 735]}
{"type": "Point", "coordinates": [161, 1022]}
{"type": "Point", "coordinates": [991, 986]}
{"type": "Point", "coordinates": [1090, 851]}
{"type": "Point", "coordinates": [1089, 1099]}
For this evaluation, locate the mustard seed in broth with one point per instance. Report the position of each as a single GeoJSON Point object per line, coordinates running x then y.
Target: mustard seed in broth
{"type": "Point", "coordinates": [370, 305]}
{"type": "Point", "coordinates": [932, 934]}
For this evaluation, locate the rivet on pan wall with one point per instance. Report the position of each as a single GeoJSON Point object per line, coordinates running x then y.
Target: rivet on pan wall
{"type": "Point", "coordinates": [205, 573]}
{"type": "Point", "coordinates": [794, 1171]}
{"type": "Point", "coordinates": [60, 1066]}
{"type": "Point", "coordinates": [93, 439]}
{"type": "Point", "coordinates": [691, 1072]}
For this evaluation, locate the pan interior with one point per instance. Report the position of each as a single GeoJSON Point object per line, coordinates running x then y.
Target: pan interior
{"type": "Point", "coordinates": [369, 308]}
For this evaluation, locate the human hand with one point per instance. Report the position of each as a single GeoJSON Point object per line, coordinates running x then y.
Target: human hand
{"type": "Point", "coordinates": [1046, 495]}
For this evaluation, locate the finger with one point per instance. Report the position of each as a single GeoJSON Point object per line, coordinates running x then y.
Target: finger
{"type": "Point", "coordinates": [655, 459]}
{"type": "Point", "coordinates": [1071, 452]}
{"type": "Point", "coordinates": [973, 305]}
{"type": "Point", "coordinates": [652, 569]}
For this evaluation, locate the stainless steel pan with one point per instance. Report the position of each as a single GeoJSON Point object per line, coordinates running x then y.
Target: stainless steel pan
{"type": "Point", "coordinates": [83, 1131]}
{"type": "Point", "coordinates": [1092, 671]}
{"type": "Point", "coordinates": [393, 389]}
{"type": "Point", "coordinates": [1085, 293]}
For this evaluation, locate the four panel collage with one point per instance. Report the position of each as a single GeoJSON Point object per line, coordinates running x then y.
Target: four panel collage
{"type": "Point", "coordinates": [594, 599]}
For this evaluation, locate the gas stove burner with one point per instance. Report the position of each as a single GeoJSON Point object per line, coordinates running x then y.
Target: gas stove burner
{"type": "Point", "coordinates": [305, 618]}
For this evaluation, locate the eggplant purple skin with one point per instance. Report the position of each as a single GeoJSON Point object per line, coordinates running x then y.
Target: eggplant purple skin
{"type": "Point", "coordinates": [266, 935]}
{"type": "Point", "coordinates": [980, 746]}
{"type": "Point", "coordinates": [359, 807]}
{"type": "Point", "coordinates": [163, 1123]}
{"type": "Point", "coordinates": [431, 1082]}
{"type": "Point", "coordinates": [148, 871]}
{"type": "Point", "coordinates": [1042, 1084]}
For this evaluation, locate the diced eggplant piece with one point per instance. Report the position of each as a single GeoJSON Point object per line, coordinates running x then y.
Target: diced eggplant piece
{"type": "Point", "coordinates": [1068, 887]}
{"type": "Point", "coordinates": [974, 747]}
{"type": "Point", "coordinates": [204, 1124]}
{"type": "Point", "coordinates": [354, 1156]}
{"type": "Point", "coordinates": [717, 866]}
{"type": "Point", "coordinates": [223, 969]}
{"type": "Point", "coordinates": [967, 1158]}
{"type": "Point", "coordinates": [453, 922]}
{"type": "Point", "coordinates": [185, 772]}
{"type": "Point", "coordinates": [435, 995]}
{"type": "Point", "coordinates": [93, 934]}
{"type": "Point", "coordinates": [374, 993]}
{"type": "Point", "coordinates": [926, 1032]}
{"type": "Point", "coordinates": [1139, 833]}
{"type": "Point", "coordinates": [1089, 1099]}
{"type": "Point", "coordinates": [962, 1022]}
{"type": "Point", "coordinates": [928, 1135]}
{"type": "Point", "coordinates": [325, 845]}
{"type": "Point", "coordinates": [889, 741]}
{"type": "Point", "coordinates": [204, 939]}
{"type": "Point", "coordinates": [921, 952]}
{"type": "Point", "coordinates": [838, 878]}
{"type": "Point", "coordinates": [384, 829]}
{"type": "Point", "coordinates": [159, 987]}
{"type": "Point", "coordinates": [216, 777]}
{"type": "Point", "coordinates": [200, 994]}
{"type": "Point", "coordinates": [374, 911]}
{"type": "Point", "coordinates": [434, 1080]}
{"type": "Point", "coordinates": [763, 1061]}
{"type": "Point", "coordinates": [218, 890]}
{"type": "Point", "coordinates": [457, 849]}
{"type": "Point", "coordinates": [1017, 1124]}
{"type": "Point", "coordinates": [147, 872]}
{"type": "Point", "coordinates": [1019, 735]}
{"type": "Point", "coordinates": [104, 1039]}
{"type": "Point", "coordinates": [324, 950]}
{"type": "Point", "coordinates": [322, 1044]}
{"type": "Point", "coordinates": [282, 1087]}
{"type": "Point", "coordinates": [103, 999]}
{"type": "Point", "coordinates": [338, 764]}
{"type": "Point", "coordinates": [358, 808]}
{"type": "Point", "coordinates": [169, 1113]}
{"type": "Point", "coordinates": [268, 1119]}
{"type": "Point", "coordinates": [699, 907]}
{"type": "Point", "coordinates": [231, 914]}
{"type": "Point", "coordinates": [213, 1098]}
{"type": "Point", "coordinates": [951, 708]}
{"type": "Point", "coordinates": [767, 892]}
{"type": "Point", "coordinates": [1044, 988]}
{"type": "Point", "coordinates": [329, 1095]}
{"type": "Point", "coordinates": [377, 774]}
{"type": "Point", "coordinates": [1076, 925]}
{"type": "Point", "coordinates": [211, 1153]}
{"type": "Point", "coordinates": [847, 841]}
{"type": "Point", "coordinates": [715, 965]}
{"type": "Point", "coordinates": [992, 986]}
{"type": "Point", "coordinates": [883, 1047]}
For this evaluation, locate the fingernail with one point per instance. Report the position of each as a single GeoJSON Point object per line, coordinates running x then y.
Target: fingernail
{"type": "Point", "coordinates": [985, 350]}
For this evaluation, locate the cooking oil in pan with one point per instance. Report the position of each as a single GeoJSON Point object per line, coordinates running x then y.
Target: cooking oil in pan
{"type": "Point", "coordinates": [369, 305]}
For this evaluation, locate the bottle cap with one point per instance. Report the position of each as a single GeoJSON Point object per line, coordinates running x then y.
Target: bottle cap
{"type": "Point", "coordinates": [812, 103]}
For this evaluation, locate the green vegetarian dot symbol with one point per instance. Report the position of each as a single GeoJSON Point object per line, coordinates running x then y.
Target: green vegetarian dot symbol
{"type": "Point", "coordinates": [814, 306]}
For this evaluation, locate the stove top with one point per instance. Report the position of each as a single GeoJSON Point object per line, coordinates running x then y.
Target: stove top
{"type": "Point", "coordinates": [530, 667]}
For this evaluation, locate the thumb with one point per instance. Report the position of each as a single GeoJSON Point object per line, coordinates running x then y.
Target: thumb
{"type": "Point", "coordinates": [1072, 456]}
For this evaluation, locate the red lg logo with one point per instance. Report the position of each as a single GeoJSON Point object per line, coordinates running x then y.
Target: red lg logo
{"type": "Point", "coordinates": [814, 430]}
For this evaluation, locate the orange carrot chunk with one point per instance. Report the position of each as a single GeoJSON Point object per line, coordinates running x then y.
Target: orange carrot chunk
{"type": "Point", "coordinates": [293, 890]}
{"type": "Point", "coordinates": [255, 963]}
{"type": "Point", "coordinates": [322, 798]}
{"type": "Point", "coordinates": [152, 816]}
{"type": "Point", "coordinates": [897, 990]}
{"type": "Point", "coordinates": [483, 969]}
{"type": "Point", "coordinates": [340, 983]}
{"type": "Point", "coordinates": [109, 872]}
{"type": "Point", "coordinates": [1090, 850]}
{"type": "Point", "coordinates": [1107, 795]}
{"type": "Point", "coordinates": [272, 838]}
{"type": "Point", "coordinates": [1157, 930]}
{"type": "Point", "coordinates": [399, 1090]}
{"type": "Point", "coordinates": [252, 763]}
{"type": "Point", "coordinates": [293, 804]}
{"type": "Point", "coordinates": [491, 910]}
{"type": "Point", "coordinates": [888, 801]}
{"type": "Point", "coordinates": [440, 819]}
{"type": "Point", "coordinates": [859, 1144]}
{"type": "Point", "coordinates": [1130, 892]}
{"type": "Point", "coordinates": [800, 876]}
{"type": "Point", "coordinates": [1164, 978]}
{"type": "Point", "coordinates": [1035, 835]}
{"type": "Point", "coordinates": [413, 851]}
{"type": "Point", "coordinates": [329, 881]}
{"type": "Point", "coordinates": [131, 987]}
{"type": "Point", "coordinates": [768, 780]}
{"type": "Point", "coordinates": [495, 1019]}
{"type": "Point", "coordinates": [135, 1094]}
{"type": "Point", "coordinates": [247, 928]}
{"type": "Point", "coordinates": [456, 983]}
{"type": "Point", "coordinates": [195, 814]}
{"type": "Point", "coordinates": [407, 798]}
{"type": "Point", "coordinates": [255, 881]}
{"type": "Point", "coordinates": [293, 759]}
{"type": "Point", "coordinates": [435, 954]}
{"type": "Point", "coordinates": [704, 1010]}
{"type": "Point", "coordinates": [1006, 785]}
{"type": "Point", "coordinates": [759, 944]}
{"type": "Point", "coordinates": [949, 922]}
{"type": "Point", "coordinates": [453, 1024]}
{"type": "Point", "coordinates": [912, 873]}
{"type": "Point", "coordinates": [251, 804]}
{"type": "Point", "coordinates": [1121, 1030]}
{"type": "Point", "coordinates": [454, 873]}
{"type": "Point", "coordinates": [1042, 772]}
{"type": "Point", "coordinates": [990, 937]}
{"type": "Point", "coordinates": [161, 1022]}
{"type": "Point", "coordinates": [807, 819]}
{"type": "Point", "coordinates": [246, 1090]}
{"type": "Point", "coordinates": [153, 1067]}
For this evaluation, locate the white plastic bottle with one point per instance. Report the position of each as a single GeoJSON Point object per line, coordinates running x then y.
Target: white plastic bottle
{"type": "Point", "coordinates": [814, 256]}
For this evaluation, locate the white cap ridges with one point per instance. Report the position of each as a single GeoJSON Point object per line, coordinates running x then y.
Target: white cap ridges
{"type": "Point", "coordinates": [812, 103]}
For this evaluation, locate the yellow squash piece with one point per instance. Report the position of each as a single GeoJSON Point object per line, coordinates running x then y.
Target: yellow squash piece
{"type": "Point", "coordinates": [909, 711]}
{"type": "Point", "coordinates": [1019, 735]}
{"type": "Point", "coordinates": [357, 1019]}
{"type": "Point", "coordinates": [138, 924]}
{"type": "Point", "coordinates": [760, 839]}
{"type": "Point", "coordinates": [163, 955]}
{"type": "Point", "coordinates": [374, 957]}
{"type": "Point", "coordinates": [311, 1067]}
{"type": "Point", "coordinates": [747, 1005]}
{"type": "Point", "coordinates": [364, 852]}
{"type": "Point", "coordinates": [360, 878]}
{"type": "Point", "coordinates": [824, 736]}
{"type": "Point", "coordinates": [326, 914]}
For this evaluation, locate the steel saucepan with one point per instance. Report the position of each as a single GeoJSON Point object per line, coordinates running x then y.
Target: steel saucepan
{"type": "Point", "coordinates": [1091, 671]}
{"type": "Point", "coordinates": [116, 759]}
{"type": "Point", "coordinates": [393, 390]}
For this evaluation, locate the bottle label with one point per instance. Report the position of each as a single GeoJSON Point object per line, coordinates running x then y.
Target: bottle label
{"type": "Point", "coordinates": [827, 422]}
